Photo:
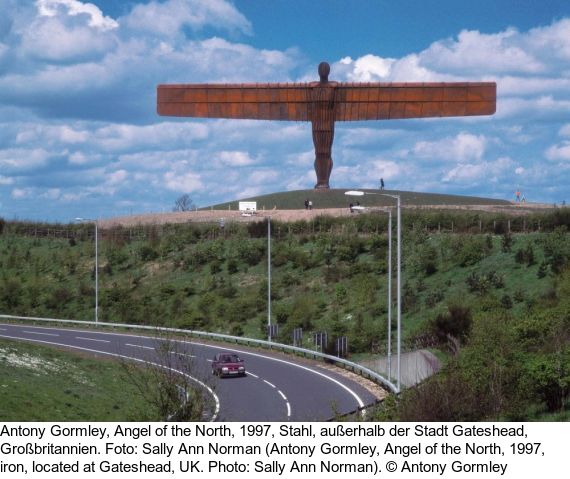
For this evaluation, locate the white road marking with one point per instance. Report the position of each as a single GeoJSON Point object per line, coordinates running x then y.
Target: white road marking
{"type": "Point", "coordinates": [210, 360]}
{"type": "Point", "coordinates": [43, 334]}
{"type": "Point", "coordinates": [93, 339]}
{"type": "Point", "coordinates": [286, 403]}
{"type": "Point", "coordinates": [197, 381]}
{"type": "Point", "coordinates": [2, 329]}
{"type": "Point", "coordinates": [290, 363]}
{"type": "Point", "coordinates": [138, 346]}
{"type": "Point", "coordinates": [182, 354]}
{"type": "Point", "coordinates": [267, 382]}
{"type": "Point", "coordinates": [249, 373]}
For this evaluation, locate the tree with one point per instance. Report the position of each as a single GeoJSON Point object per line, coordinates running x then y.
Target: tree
{"type": "Point", "coordinates": [184, 203]}
{"type": "Point", "coordinates": [167, 382]}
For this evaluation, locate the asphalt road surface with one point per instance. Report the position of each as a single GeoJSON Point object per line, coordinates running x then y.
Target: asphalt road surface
{"type": "Point", "coordinates": [276, 387]}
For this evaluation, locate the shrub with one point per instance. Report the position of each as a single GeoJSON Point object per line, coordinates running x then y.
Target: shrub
{"type": "Point", "coordinates": [456, 322]}
{"type": "Point", "coordinates": [232, 266]}
{"type": "Point", "coordinates": [506, 302]}
{"type": "Point", "coordinates": [147, 253]}
{"type": "Point", "coordinates": [549, 378]}
{"type": "Point", "coordinates": [525, 255]}
{"type": "Point", "coordinates": [506, 242]}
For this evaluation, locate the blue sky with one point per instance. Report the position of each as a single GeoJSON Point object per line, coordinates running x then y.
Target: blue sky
{"type": "Point", "coordinates": [79, 135]}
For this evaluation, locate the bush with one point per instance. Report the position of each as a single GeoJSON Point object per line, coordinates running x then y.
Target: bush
{"type": "Point", "coordinates": [147, 253]}
{"type": "Point", "coordinates": [549, 378]}
{"type": "Point", "coordinates": [469, 250]}
{"type": "Point", "coordinates": [456, 322]}
{"type": "Point", "coordinates": [506, 242]}
{"type": "Point", "coordinates": [525, 255]}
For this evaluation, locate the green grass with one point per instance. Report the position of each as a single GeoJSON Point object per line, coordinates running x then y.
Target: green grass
{"type": "Point", "coordinates": [39, 383]}
{"type": "Point", "coordinates": [335, 198]}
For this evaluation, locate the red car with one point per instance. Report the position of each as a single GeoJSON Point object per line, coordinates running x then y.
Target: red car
{"type": "Point", "coordinates": [228, 364]}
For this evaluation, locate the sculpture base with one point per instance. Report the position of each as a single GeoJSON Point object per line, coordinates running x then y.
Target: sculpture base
{"type": "Point", "coordinates": [322, 186]}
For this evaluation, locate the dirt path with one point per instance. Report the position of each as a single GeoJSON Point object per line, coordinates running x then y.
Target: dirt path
{"type": "Point", "coordinates": [214, 216]}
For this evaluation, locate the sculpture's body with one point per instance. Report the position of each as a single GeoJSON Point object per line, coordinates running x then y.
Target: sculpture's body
{"type": "Point", "coordinates": [322, 103]}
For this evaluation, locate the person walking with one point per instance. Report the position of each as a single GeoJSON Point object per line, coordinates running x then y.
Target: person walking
{"type": "Point", "coordinates": [381, 183]}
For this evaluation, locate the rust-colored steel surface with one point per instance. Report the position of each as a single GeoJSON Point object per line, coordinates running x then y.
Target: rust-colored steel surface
{"type": "Point", "coordinates": [324, 102]}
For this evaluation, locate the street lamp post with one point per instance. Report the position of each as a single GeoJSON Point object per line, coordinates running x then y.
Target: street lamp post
{"type": "Point", "coordinates": [96, 264]}
{"type": "Point", "coordinates": [269, 278]}
{"type": "Point", "coordinates": [399, 283]}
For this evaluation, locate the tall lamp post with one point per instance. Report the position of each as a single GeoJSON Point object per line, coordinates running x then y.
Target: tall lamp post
{"type": "Point", "coordinates": [88, 220]}
{"type": "Point", "coordinates": [399, 284]}
{"type": "Point", "coordinates": [269, 278]}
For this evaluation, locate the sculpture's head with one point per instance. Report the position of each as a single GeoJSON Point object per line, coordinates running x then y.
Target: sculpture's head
{"type": "Point", "coordinates": [324, 70]}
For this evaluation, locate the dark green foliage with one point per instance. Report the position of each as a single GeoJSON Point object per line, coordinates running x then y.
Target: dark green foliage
{"type": "Point", "coordinates": [506, 242]}
{"type": "Point", "coordinates": [542, 270]}
{"type": "Point", "coordinates": [506, 301]}
{"type": "Point", "coordinates": [469, 250]}
{"type": "Point", "coordinates": [251, 252]}
{"type": "Point", "coordinates": [147, 253]}
{"type": "Point", "coordinates": [455, 323]}
{"type": "Point", "coordinates": [557, 249]}
{"type": "Point", "coordinates": [482, 283]}
{"type": "Point", "coordinates": [525, 255]}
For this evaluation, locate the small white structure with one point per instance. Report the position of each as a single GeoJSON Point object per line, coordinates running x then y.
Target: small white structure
{"type": "Point", "coordinates": [248, 208]}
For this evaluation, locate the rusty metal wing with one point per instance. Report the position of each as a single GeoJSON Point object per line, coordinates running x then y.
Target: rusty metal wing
{"type": "Point", "coordinates": [387, 101]}
{"type": "Point", "coordinates": [276, 101]}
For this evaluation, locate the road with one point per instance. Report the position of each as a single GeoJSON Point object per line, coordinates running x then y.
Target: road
{"type": "Point", "coordinates": [276, 387]}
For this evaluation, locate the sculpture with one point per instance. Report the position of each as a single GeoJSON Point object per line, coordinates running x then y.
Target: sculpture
{"type": "Point", "coordinates": [325, 102]}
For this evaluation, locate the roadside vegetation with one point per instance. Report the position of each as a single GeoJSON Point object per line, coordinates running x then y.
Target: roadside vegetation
{"type": "Point", "coordinates": [39, 383]}
{"type": "Point", "coordinates": [494, 303]}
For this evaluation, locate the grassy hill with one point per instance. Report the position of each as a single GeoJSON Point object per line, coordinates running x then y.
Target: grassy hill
{"type": "Point", "coordinates": [336, 198]}
{"type": "Point", "coordinates": [497, 306]}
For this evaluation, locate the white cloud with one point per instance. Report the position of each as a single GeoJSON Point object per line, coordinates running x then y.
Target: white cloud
{"type": "Point", "coordinates": [478, 173]}
{"type": "Point", "coordinates": [22, 193]}
{"type": "Point", "coordinates": [51, 194]}
{"type": "Point", "coordinates": [474, 51]}
{"type": "Point", "coordinates": [117, 177]}
{"type": "Point", "coordinates": [16, 160]}
{"type": "Point", "coordinates": [124, 137]}
{"type": "Point", "coordinates": [461, 148]}
{"type": "Point", "coordinates": [78, 158]}
{"type": "Point", "coordinates": [565, 130]}
{"type": "Point", "coordinates": [4, 181]}
{"type": "Point", "coordinates": [51, 8]}
{"type": "Point", "coordinates": [368, 68]}
{"type": "Point", "coordinates": [34, 132]}
{"type": "Point", "coordinates": [183, 182]}
{"type": "Point", "coordinates": [50, 39]}
{"type": "Point", "coordinates": [559, 152]}
{"type": "Point", "coordinates": [262, 176]}
{"type": "Point", "coordinates": [304, 158]}
{"type": "Point", "coordinates": [386, 169]}
{"type": "Point", "coordinates": [169, 17]}
{"type": "Point", "coordinates": [235, 158]}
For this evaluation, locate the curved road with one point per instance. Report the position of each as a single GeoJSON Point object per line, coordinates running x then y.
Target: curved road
{"type": "Point", "coordinates": [275, 388]}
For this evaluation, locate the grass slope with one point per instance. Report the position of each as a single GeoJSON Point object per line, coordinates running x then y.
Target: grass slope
{"type": "Point", "coordinates": [335, 198]}
{"type": "Point", "coordinates": [39, 383]}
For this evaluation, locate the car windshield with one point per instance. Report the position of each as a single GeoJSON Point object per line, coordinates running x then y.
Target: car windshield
{"type": "Point", "coordinates": [230, 358]}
